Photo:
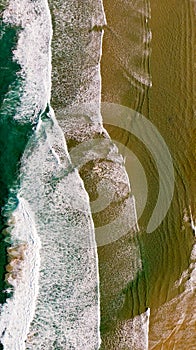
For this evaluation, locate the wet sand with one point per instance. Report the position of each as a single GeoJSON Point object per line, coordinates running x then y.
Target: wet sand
{"type": "Point", "coordinates": [168, 62]}
{"type": "Point", "coordinates": [76, 49]}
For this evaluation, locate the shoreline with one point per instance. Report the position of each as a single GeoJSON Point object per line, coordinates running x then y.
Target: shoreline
{"type": "Point", "coordinates": [106, 168]}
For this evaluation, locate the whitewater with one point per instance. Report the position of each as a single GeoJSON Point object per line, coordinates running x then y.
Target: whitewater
{"type": "Point", "coordinates": [56, 289]}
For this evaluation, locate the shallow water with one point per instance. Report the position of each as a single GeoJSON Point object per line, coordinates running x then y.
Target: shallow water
{"type": "Point", "coordinates": [77, 103]}
{"type": "Point", "coordinates": [55, 289]}
{"type": "Point", "coordinates": [13, 136]}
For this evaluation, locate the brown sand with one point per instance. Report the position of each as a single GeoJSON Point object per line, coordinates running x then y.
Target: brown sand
{"type": "Point", "coordinates": [76, 51]}
{"type": "Point", "coordinates": [169, 104]}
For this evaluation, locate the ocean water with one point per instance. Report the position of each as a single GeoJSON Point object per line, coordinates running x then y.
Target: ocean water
{"type": "Point", "coordinates": [14, 136]}
{"type": "Point", "coordinates": [52, 283]}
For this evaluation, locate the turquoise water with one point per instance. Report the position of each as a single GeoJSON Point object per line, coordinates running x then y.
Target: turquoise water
{"type": "Point", "coordinates": [13, 135]}
{"type": "Point", "coordinates": [55, 299]}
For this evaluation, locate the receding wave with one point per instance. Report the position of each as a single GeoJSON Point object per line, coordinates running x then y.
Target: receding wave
{"type": "Point", "coordinates": [52, 260]}
{"type": "Point", "coordinates": [67, 309]}
{"type": "Point", "coordinates": [22, 276]}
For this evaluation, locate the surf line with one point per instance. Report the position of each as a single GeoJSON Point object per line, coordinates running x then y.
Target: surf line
{"type": "Point", "coordinates": [35, 19]}
{"type": "Point", "coordinates": [24, 252]}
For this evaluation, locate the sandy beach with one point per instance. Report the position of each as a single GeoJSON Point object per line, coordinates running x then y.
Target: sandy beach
{"type": "Point", "coordinates": [168, 62]}
{"type": "Point", "coordinates": [105, 278]}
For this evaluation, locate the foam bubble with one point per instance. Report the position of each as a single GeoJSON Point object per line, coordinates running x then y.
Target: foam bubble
{"type": "Point", "coordinates": [17, 313]}
{"type": "Point", "coordinates": [67, 305]}
{"type": "Point", "coordinates": [67, 312]}
{"type": "Point", "coordinates": [33, 54]}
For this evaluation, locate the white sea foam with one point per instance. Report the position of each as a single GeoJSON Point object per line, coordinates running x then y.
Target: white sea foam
{"type": "Point", "coordinates": [52, 193]}
{"type": "Point", "coordinates": [67, 309]}
{"type": "Point", "coordinates": [77, 51]}
{"type": "Point", "coordinates": [67, 312]}
{"type": "Point", "coordinates": [135, 332]}
{"type": "Point", "coordinates": [78, 114]}
{"type": "Point", "coordinates": [18, 311]}
{"type": "Point", "coordinates": [145, 79]}
{"type": "Point", "coordinates": [67, 306]}
{"type": "Point", "coordinates": [32, 53]}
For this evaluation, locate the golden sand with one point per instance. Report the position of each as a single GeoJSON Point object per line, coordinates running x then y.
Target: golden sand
{"type": "Point", "coordinates": [169, 104]}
